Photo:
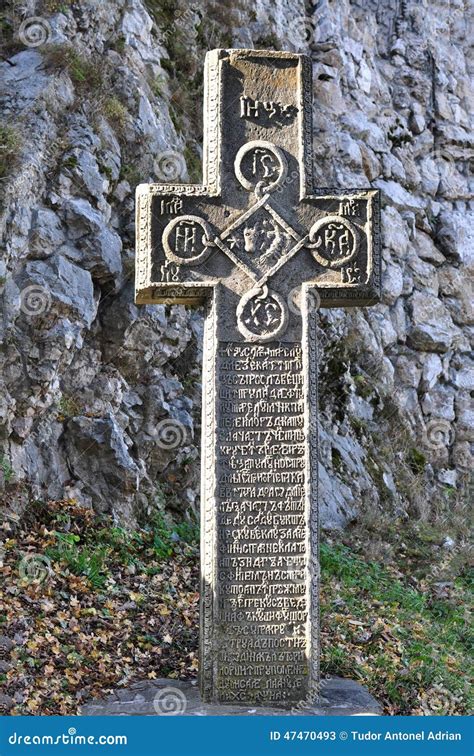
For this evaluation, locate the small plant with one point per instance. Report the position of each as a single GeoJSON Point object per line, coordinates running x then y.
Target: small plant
{"type": "Point", "coordinates": [56, 6]}
{"type": "Point", "coordinates": [68, 406]}
{"type": "Point", "coordinates": [70, 162]}
{"type": "Point", "coordinates": [269, 42]}
{"type": "Point", "coordinates": [177, 119]}
{"type": "Point", "coordinates": [10, 143]}
{"type": "Point", "coordinates": [158, 85]}
{"type": "Point", "coordinates": [416, 461]}
{"type": "Point", "coordinates": [119, 45]}
{"type": "Point", "coordinates": [85, 72]}
{"type": "Point", "coordinates": [363, 386]}
{"type": "Point", "coordinates": [107, 171]}
{"type": "Point", "coordinates": [89, 562]}
{"type": "Point", "coordinates": [162, 12]}
{"type": "Point", "coordinates": [7, 469]}
{"type": "Point", "coordinates": [116, 113]}
{"type": "Point", "coordinates": [130, 173]}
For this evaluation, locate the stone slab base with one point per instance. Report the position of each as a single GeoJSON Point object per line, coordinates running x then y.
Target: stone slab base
{"type": "Point", "coordinates": [177, 698]}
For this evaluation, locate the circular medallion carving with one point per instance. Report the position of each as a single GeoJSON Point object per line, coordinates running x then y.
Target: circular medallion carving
{"type": "Point", "coordinates": [260, 166]}
{"type": "Point", "coordinates": [334, 241]}
{"type": "Point", "coordinates": [187, 240]}
{"type": "Point", "coordinates": [262, 314]}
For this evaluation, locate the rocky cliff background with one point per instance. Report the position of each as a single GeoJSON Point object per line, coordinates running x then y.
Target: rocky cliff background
{"type": "Point", "coordinates": [97, 97]}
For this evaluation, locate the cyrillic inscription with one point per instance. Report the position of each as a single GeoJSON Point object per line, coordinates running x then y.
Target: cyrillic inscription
{"type": "Point", "coordinates": [261, 586]}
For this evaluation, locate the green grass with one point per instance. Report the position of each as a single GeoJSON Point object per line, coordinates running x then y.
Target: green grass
{"type": "Point", "coordinates": [401, 641]}
{"type": "Point", "coordinates": [100, 547]}
{"type": "Point", "coordinates": [81, 560]}
{"type": "Point", "coordinates": [393, 600]}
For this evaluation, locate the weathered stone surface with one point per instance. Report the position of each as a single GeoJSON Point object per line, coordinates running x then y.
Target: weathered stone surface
{"type": "Point", "coordinates": [455, 235]}
{"type": "Point", "coordinates": [260, 454]}
{"type": "Point", "coordinates": [432, 369]}
{"type": "Point", "coordinates": [66, 286]}
{"type": "Point", "coordinates": [338, 697]}
{"type": "Point", "coordinates": [98, 456]}
{"type": "Point", "coordinates": [432, 328]}
{"type": "Point", "coordinates": [71, 147]}
{"type": "Point", "coordinates": [46, 233]}
{"type": "Point", "coordinates": [396, 195]}
{"type": "Point", "coordinates": [100, 247]}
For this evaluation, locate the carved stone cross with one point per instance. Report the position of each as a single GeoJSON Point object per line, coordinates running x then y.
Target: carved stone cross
{"type": "Point", "coordinates": [260, 247]}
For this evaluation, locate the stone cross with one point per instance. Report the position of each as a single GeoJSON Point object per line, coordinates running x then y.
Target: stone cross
{"type": "Point", "coordinates": [262, 249]}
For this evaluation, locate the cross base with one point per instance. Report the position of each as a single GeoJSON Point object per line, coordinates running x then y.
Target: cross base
{"type": "Point", "coordinates": [164, 697]}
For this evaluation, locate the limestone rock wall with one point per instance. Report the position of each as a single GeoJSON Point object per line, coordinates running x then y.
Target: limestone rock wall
{"type": "Point", "coordinates": [100, 399]}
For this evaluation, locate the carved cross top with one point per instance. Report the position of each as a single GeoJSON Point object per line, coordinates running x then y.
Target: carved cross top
{"type": "Point", "coordinates": [256, 225]}
{"type": "Point", "coordinates": [249, 241]}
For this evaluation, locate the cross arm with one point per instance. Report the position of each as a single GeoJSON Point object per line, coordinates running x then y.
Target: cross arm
{"type": "Point", "coordinates": [342, 246]}
{"type": "Point", "coordinates": [175, 238]}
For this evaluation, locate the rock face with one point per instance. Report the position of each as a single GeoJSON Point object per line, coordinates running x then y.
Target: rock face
{"type": "Point", "coordinates": [100, 399]}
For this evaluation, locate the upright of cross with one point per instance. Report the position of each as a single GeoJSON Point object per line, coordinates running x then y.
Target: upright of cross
{"type": "Point", "coordinates": [259, 246]}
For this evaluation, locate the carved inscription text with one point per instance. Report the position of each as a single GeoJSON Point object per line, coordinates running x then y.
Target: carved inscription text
{"type": "Point", "coordinates": [261, 523]}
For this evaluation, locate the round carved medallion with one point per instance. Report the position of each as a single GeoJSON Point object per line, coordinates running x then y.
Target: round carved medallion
{"type": "Point", "coordinates": [262, 314]}
{"type": "Point", "coordinates": [187, 240]}
{"type": "Point", "coordinates": [334, 241]}
{"type": "Point", "coordinates": [260, 166]}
